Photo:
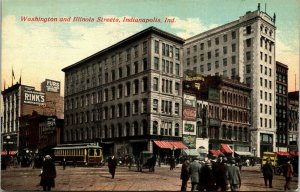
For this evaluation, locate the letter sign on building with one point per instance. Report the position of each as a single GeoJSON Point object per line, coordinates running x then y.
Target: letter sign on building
{"type": "Point", "coordinates": [52, 86]}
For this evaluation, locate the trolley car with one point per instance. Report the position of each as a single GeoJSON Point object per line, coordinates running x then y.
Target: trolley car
{"type": "Point", "coordinates": [87, 154]}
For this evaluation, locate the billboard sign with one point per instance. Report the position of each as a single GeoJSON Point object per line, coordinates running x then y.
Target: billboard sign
{"type": "Point", "coordinates": [189, 141]}
{"type": "Point", "coordinates": [49, 126]}
{"type": "Point", "coordinates": [33, 97]}
{"type": "Point", "coordinates": [189, 100]}
{"type": "Point", "coordinates": [52, 86]}
{"type": "Point", "coordinates": [213, 94]}
{"type": "Point", "coordinates": [189, 113]}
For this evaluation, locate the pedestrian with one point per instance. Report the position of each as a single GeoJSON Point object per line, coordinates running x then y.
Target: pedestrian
{"type": "Point", "coordinates": [194, 172]}
{"type": "Point", "coordinates": [112, 165]}
{"type": "Point", "coordinates": [247, 162]}
{"type": "Point", "coordinates": [152, 163]}
{"type": "Point", "coordinates": [206, 178]}
{"type": "Point", "coordinates": [64, 163]}
{"type": "Point", "coordinates": [288, 174]}
{"type": "Point", "coordinates": [219, 172]}
{"type": "Point", "coordinates": [184, 175]}
{"type": "Point", "coordinates": [233, 176]}
{"type": "Point", "coordinates": [48, 174]}
{"type": "Point", "coordinates": [172, 162]}
{"type": "Point", "coordinates": [267, 170]}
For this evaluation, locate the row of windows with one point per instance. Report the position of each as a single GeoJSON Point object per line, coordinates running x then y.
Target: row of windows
{"type": "Point", "coordinates": [282, 89]}
{"type": "Point", "coordinates": [123, 130]}
{"type": "Point", "coordinates": [266, 85]}
{"type": "Point", "coordinates": [266, 96]}
{"type": "Point", "coordinates": [167, 50]}
{"type": "Point", "coordinates": [166, 86]}
{"type": "Point", "coordinates": [268, 109]}
{"type": "Point", "coordinates": [216, 54]}
{"type": "Point", "coordinates": [166, 66]}
{"type": "Point", "coordinates": [217, 65]}
{"type": "Point", "coordinates": [281, 77]}
{"type": "Point", "coordinates": [264, 42]}
{"type": "Point", "coordinates": [238, 134]}
{"type": "Point", "coordinates": [234, 99]}
{"type": "Point", "coordinates": [280, 100]}
{"type": "Point", "coordinates": [266, 58]}
{"type": "Point", "coordinates": [234, 115]}
{"type": "Point", "coordinates": [166, 107]}
{"type": "Point", "coordinates": [266, 30]}
{"type": "Point", "coordinates": [264, 123]}
{"type": "Point", "coordinates": [209, 43]}
{"type": "Point", "coordinates": [262, 71]}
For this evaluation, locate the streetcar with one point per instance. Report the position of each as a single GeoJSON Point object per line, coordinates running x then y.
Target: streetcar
{"type": "Point", "coordinates": [85, 154]}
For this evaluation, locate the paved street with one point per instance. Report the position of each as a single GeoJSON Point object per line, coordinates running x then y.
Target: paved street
{"type": "Point", "coordinates": [98, 179]}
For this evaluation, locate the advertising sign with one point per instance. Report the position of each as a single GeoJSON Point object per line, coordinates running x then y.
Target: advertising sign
{"type": "Point", "coordinates": [50, 125]}
{"type": "Point", "coordinates": [33, 97]}
{"type": "Point", "coordinates": [189, 113]}
{"type": "Point", "coordinates": [188, 127]}
{"type": "Point", "coordinates": [52, 86]}
{"type": "Point", "coordinates": [213, 94]}
{"type": "Point", "coordinates": [189, 100]}
{"type": "Point", "coordinates": [189, 141]}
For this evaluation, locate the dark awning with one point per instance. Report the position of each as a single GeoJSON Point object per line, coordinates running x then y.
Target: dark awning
{"type": "Point", "coordinates": [226, 149]}
{"type": "Point", "coordinates": [170, 144]}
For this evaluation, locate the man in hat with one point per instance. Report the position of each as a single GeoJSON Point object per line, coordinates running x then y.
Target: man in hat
{"type": "Point", "coordinates": [267, 170]}
{"type": "Point", "coordinates": [288, 174]}
{"type": "Point", "coordinates": [195, 168]}
{"type": "Point", "coordinates": [219, 171]}
{"type": "Point", "coordinates": [48, 174]}
{"type": "Point", "coordinates": [184, 175]}
{"type": "Point", "coordinates": [233, 176]}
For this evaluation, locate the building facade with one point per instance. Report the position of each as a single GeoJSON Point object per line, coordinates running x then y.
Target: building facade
{"type": "Point", "coordinates": [127, 95]}
{"type": "Point", "coordinates": [293, 121]}
{"type": "Point", "coordinates": [245, 50]}
{"type": "Point", "coordinates": [281, 106]}
{"type": "Point", "coordinates": [20, 100]}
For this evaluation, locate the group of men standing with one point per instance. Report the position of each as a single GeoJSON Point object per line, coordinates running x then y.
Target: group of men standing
{"type": "Point", "coordinates": [219, 176]}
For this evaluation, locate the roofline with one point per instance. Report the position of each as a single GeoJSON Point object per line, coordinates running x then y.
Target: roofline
{"type": "Point", "coordinates": [130, 38]}
{"type": "Point", "coordinates": [283, 65]}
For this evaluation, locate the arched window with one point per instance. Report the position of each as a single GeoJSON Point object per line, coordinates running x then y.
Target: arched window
{"type": "Point", "coordinates": [176, 129]}
{"type": "Point", "coordinates": [127, 129]}
{"type": "Point", "coordinates": [224, 134]}
{"type": "Point", "coordinates": [229, 133]}
{"type": "Point", "coordinates": [135, 128]}
{"type": "Point", "coordinates": [120, 130]}
{"type": "Point", "coordinates": [145, 127]}
{"type": "Point", "coordinates": [155, 126]}
{"type": "Point", "coordinates": [105, 132]}
{"type": "Point", "coordinates": [112, 130]}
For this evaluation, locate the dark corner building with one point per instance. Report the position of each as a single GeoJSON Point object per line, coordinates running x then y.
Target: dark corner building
{"type": "Point", "coordinates": [127, 97]}
{"type": "Point", "coordinates": [293, 121]}
{"type": "Point", "coordinates": [19, 102]}
{"type": "Point", "coordinates": [281, 107]}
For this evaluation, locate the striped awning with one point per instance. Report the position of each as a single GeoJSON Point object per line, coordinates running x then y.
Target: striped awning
{"type": "Point", "coordinates": [170, 144]}
{"type": "Point", "coordinates": [216, 152]}
{"type": "Point", "coordinates": [10, 152]}
{"type": "Point", "coordinates": [226, 149]}
{"type": "Point", "coordinates": [283, 153]}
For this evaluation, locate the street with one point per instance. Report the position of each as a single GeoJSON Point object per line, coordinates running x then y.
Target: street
{"type": "Point", "coordinates": [99, 179]}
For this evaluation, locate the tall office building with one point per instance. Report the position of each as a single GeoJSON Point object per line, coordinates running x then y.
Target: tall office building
{"type": "Point", "coordinates": [281, 106]}
{"type": "Point", "coordinates": [243, 49]}
{"type": "Point", "coordinates": [127, 95]}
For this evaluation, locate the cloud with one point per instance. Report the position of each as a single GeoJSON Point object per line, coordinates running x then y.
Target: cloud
{"type": "Point", "coordinates": [190, 26]}
{"type": "Point", "coordinates": [40, 51]}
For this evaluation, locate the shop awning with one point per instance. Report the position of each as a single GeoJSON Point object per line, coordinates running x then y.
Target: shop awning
{"type": "Point", "coordinates": [243, 153]}
{"type": "Point", "coordinates": [10, 152]}
{"type": "Point", "coordinates": [294, 153]}
{"type": "Point", "coordinates": [216, 152]}
{"type": "Point", "coordinates": [283, 153]}
{"type": "Point", "coordinates": [191, 152]}
{"type": "Point", "coordinates": [170, 144]}
{"type": "Point", "coordinates": [226, 149]}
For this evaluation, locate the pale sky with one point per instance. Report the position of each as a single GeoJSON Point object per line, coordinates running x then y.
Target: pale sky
{"type": "Point", "coordinates": [38, 50]}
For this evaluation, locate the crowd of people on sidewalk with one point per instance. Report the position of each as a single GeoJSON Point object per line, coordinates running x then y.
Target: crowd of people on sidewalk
{"type": "Point", "coordinates": [211, 176]}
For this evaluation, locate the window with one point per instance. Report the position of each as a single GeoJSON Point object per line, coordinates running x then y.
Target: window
{"type": "Point", "coordinates": [195, 59]}
{"type": "Point", "coordinates": [188, 61]}
{"type": "Point", "coordinates": [128, 55]}
{"type": "Point", "coordinates": [225, 50]}
{"type": "Point", "coordinates": [266, 109]}
{"type": "Point", "coordinates": [120, 91]}
{"type": "Point", "coordinates": [233, 59]}
{"type": "Point", "coordinates": [177, 108]}
{"type": "Point", "coordinates": [188, 51]}
{"type": "Point", "coordinates": [176, 129]}
{"type": "Point", "coordinates": [177, 69]}
{"type": "Point", "coordinates": [195, 48]}
{"type": "Point", "coordinates": [144, 105]}
{"type": "Point", "coordinates": [270, 59]}
{"type": "Point", "coordinates": [225, 38]}
{"type": "Point", "coordinates": [177, 53]}
{"type": "Point", "coordinates": [261, 108]}
{"type": "Point", "coordinates": [270, 96]}
{"type": "Point", "coordinates": [270, 72]}
{"type": "Point", "coordinates": [248, 68]}
{"type": "Point", "coordinates": [266, 96]}
{"type": "Point", "coordinates": [155, 105]}
{"type": "Point", "coordinates": [266, 70]}
{"type": "Point", "coordinates": [217, 41]}
{"type": "Point", "coordinates": [177, 88]}
{"type": "Point", "coordinates": [145, 64]}
{"type": "Point", "coordinates": [127, 109]}
{"type": "Point", "coordinates": [248, 29]}
{"type": "Point", "coordinates": [135, 107]}
{"type": "Point", "coordinates": [217, 53]}
{"type": "Point", "coordinates": [145, 47]}
{"type": "Point", "coordinates": [136, 67]}
{"type": "Point", "coordinates": [248, 42]}
{"type": "Point", "coordinates": [261, 94]}
{"type": "Point", "coordinates": [216, 64]}
{"type": "Point", "coordinates": [209, 43]}
{"type": "Point", "coordinates": [208, 66]}
{"type": "Point", "coordinates": [156, 47]}
{"type": "Point", "coordinates": [233, 47]}
{"type": "Point", "coordinates": [201, 46]}
{"type": "Point", "coordinates": [248, 55]}
{"type": "Point", "coordinates": [155, 84]}
{"type": "Point", "coordinates": [233, 34]}
{"type": "Point", "coordinates": [201, 68]}
{"type": "Point", "coordinates": [155, 127]}
{"type": "Point", "coordinates": [136, 86]}
{"type": "Point", "coordinates": [208, 55]}
{"type": "Point", "coordinates": [156, 63]}
{"type": "Point", "coordinates": [266, 83]}
{"type": "Point", "coordinates": [202, 57]}
{"type": "Point", "coordinates": [145, 84]}
{"type": "Point", "coordinates": [127, 89]}
{"type": "Point", "coordinates": [119, 112]}
{"type": "Point", "coordinates": [136, 53]}
{"type": "Point", "coordinates": [120, 72]}
{"type": "Point", "coordinates": [270, 84]}
{"type": "Point", "coordinates": [225, 62]}
{"type": "Point", "coordinates": [113, 93]}
{"type": "Point", "coordinates": [270, 110]}
{"type": "Point", "coordinates": [128, 70]}
{"type": "Point", "coordinates": [233, 72]}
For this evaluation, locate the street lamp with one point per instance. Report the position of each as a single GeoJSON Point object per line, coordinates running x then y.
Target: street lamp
{"type": "Point", "coordinates": [254, 150]}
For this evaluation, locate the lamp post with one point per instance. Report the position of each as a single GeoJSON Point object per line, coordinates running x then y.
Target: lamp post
{"type": "Point", "coordinates": [7, 144]}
